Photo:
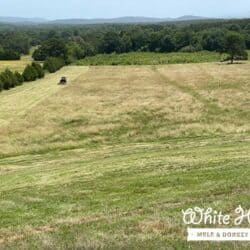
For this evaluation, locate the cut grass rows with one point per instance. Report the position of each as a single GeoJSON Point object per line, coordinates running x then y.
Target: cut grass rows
{"type": "Point", "coordinates": [135, 191]}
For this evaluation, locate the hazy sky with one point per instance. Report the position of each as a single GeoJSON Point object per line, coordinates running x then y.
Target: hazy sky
{"type": "Point", "coordinates": [114, 8]}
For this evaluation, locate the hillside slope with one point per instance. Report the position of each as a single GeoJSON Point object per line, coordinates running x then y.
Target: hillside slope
{"type": "Point", "coordinates": [129, 19]}
{"type": "Point", "coordinates": [110, 160]}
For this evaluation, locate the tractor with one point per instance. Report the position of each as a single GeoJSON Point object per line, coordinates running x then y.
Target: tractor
{"type": "Point", "coordinates": [63, 81]}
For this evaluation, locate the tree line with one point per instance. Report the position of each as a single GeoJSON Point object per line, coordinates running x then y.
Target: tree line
{"type": "Point", "coordinates": [73, 42]}
{"type": "Point", "coordinates": [77, 42]}
{"type": "Point", "coordinates": [13, 44]}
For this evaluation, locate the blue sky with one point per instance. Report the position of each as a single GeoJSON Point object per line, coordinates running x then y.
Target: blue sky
{"type": "Point", "coordinates": [53, 9]}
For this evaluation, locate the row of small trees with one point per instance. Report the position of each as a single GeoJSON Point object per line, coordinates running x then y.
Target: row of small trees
{"type": "Point", "coordinates": [9, 79]}
{"type": "Point", "coordinates": [32, 72]}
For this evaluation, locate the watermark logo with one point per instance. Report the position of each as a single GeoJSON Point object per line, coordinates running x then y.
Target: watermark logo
{"type": "Point", "coordinates": [199, 216]}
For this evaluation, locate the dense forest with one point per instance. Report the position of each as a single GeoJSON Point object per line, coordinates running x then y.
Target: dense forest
{"type": "Point", "coordinates": [71, 43]}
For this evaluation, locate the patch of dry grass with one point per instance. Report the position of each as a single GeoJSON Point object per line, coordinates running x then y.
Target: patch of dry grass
{"type": "Point", "coordinates": [129, 103]}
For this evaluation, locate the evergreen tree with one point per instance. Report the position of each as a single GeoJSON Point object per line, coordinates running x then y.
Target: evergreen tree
{"type": "Point", "coordinates": [8, 79]}
{"type": "Point", "coordinates": [38, 69]}
{"type": "Point", "coordinates": [19, 78]}
{"type": "Point", "coordinates": [29, 74]}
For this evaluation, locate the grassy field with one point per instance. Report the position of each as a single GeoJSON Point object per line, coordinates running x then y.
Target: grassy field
{"type": "Point", "coordinates": [110, 160]}
{"type": "Point", "coordinates": [150, 58]}
{"type": "Point", "coordinates": [16, 65]}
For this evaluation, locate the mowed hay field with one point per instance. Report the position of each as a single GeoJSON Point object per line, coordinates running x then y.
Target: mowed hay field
{"type": "Point", "coordinates": [110, 160]}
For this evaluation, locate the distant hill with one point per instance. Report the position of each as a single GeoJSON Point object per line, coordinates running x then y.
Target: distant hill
{"type": "Point", "coordinates": [21, 20]}
{"type": "Point", "coordinates": [112, 20]}
{"type": "Point", "coordinates": [126, 20]}
{"type": "Point", "coordinates": [119, 20]}
{"type": "Point", "coordinates": [191, 18]}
